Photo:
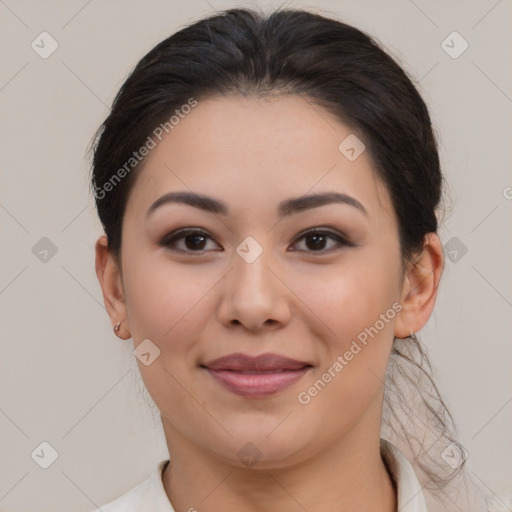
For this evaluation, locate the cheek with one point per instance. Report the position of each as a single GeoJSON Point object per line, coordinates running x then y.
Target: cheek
{"type": "Point", "coordinates": [164, 300]}
{"type": "Point", "coordinates": [349, 299]}
{"type": "Point", "coordinates": [355, 306]}
{"type": "Point", "coordinates": [168, 305]}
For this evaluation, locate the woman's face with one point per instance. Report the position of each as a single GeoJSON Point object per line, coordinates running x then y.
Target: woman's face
{"type": "Point", "coordinates": [252, 283]}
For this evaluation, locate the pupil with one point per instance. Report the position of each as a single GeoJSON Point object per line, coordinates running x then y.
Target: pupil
{"type": "Point", "coordinates": [316, 245]}
{"type": "Point", "coordinates": [195, 245]}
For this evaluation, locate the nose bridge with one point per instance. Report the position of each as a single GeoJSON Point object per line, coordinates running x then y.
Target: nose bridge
{"type": "Point", "coordinates": [252, 294]}
{"type": "Point", "coordinates": [251, 279]}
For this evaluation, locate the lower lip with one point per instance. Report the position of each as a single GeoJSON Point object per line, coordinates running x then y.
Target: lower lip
{"type": "Point", "coordinates": [257, 385]}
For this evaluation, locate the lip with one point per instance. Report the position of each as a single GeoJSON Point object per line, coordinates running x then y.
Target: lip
{"type": "Point", "coordinates": [256, 377]}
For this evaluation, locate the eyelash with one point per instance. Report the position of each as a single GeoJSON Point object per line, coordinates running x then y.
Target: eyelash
{"type": "Point", "coordinates": [168, 240]}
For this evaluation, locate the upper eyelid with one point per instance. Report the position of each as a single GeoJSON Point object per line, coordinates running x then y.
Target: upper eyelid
{"type": "Point", "coordinates": [321, 229]}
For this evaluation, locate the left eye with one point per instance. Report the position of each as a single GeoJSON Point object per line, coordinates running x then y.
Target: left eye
{"type": "Point", "coordinates": [319, 237]}
{"type": "Point", "coordinates": [195, 240]}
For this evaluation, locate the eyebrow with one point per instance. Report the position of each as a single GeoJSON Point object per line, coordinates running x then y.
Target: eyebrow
{"type": "Point", "coordinates": [286, 208]}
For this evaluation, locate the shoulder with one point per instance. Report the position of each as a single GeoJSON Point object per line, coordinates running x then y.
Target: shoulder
{"type": "Point", "coordinates": [147, 495]}
{"type": "Point", "coordinates": [410, 492]}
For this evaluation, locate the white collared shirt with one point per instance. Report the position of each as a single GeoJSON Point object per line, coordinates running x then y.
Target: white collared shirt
{"type": "Point", "coordinates": [150, 494]}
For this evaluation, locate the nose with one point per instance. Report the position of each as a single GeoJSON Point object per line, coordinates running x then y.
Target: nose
{"type": "Point", "coordinates": [254, 295]}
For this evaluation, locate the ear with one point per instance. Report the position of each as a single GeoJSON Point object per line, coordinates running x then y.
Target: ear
{"type": "Point", "coordinates": [419, 290]}
{"type": "Point", "coordinates": [109, 276]}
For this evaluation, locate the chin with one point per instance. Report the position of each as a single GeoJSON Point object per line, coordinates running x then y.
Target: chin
{"type": "Point", "coordinates": [254, 450]}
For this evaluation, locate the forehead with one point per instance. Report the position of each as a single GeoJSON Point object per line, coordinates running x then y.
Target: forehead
{"type": "Point", "coordinates": [260, 150]}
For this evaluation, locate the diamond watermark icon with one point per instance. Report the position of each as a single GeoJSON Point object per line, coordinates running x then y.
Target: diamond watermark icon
{"type": "Point", "coordinates": [249, 249]}
{"type": "Point", "coordinates": [351, 147]}
{"type": "Point", "coordinates": [44, 455]}
{"type": "Point", "coordinates": [249, 454]}
{"type": "Point", "coordinates": [454, 45]}
{"type": "Point", "coordinates": [455, 249]}
{"type": "Point", "coordinates": [44, 45]}
{"type": "Point", "coordinates": [454, 455]}
{"type": "Point", "coordinates": [146, 352]}
{"type": "Point", "coordinates": [44, 250]}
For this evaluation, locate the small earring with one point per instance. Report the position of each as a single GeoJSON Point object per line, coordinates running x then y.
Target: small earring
{"type": "Point", "coordinates": [413, 336]}
{"type": "Point", "coordinates": [116, 328]}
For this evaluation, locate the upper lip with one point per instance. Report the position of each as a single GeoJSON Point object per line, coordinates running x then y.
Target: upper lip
{"type": "Point", "coordinates": [269, 361]}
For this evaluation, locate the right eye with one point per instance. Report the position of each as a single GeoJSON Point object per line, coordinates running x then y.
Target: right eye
{"type": "Point", "coordinates": [194, 240]}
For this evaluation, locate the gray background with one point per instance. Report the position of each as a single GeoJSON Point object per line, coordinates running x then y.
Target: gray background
{"type": "Point", "coordinates": [67, 380]}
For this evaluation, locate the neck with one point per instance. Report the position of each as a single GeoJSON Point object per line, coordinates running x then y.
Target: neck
{"type": "Point", "coordinates": [349, 475]}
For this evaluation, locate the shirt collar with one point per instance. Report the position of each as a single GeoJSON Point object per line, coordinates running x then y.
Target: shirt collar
{"type": "Point", "coordinates": [408, 489]}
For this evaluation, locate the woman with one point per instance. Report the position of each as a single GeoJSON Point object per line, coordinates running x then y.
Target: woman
{"type": "Point", "coordinates": [269, 189]}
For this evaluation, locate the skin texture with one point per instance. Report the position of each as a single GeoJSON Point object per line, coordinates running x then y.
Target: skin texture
{"type": "Point", "coordinates": [308, 304]}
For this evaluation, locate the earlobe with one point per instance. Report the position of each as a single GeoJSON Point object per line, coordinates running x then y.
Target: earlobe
{"type": "Point", "coordinates": [109, 277]}
{"type": "Point", "coordinates": [420, 287]}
